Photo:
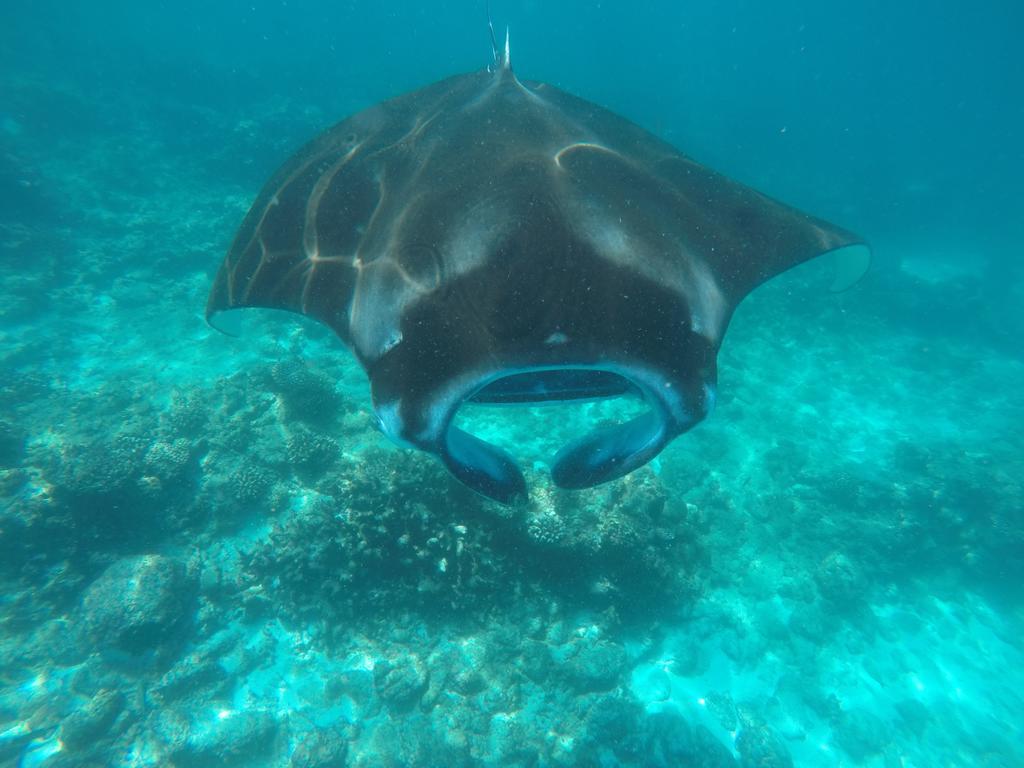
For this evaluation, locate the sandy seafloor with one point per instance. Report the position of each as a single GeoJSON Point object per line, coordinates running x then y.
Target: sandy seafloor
{"type": "Point", "coordinates": [210, 557]}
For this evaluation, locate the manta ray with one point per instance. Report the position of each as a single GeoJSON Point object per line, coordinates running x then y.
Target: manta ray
{"type": "Point", "coordinates": [489, 239]}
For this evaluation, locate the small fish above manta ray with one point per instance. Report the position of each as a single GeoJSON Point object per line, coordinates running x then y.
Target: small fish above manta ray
{"type": "Point", "coordinates": [497, 240]}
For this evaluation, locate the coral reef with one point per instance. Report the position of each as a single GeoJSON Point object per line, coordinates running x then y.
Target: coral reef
{"type": "Point", "coordinates": [12, 444]}
{"type": "Point", "coordinates": [310, 452]}
{"type": "Point", "coordinates": [250, 483]}
{"type": "Point", "coordinates": [546, 528]}
{"type": "Point", "coordinates": [139, 607]}
{"type": "Point", "coordinates": [91, 724]}
{"type": "Point", "coordinates": [388, 540]}
{"type": "Point", "coordinates": [306, 394]}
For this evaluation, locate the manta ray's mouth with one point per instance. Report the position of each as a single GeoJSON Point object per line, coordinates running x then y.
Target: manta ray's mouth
{"type": "Point", "coordinates": [595, 457]}
{"type": "Point", "coordinates": [555, 385]}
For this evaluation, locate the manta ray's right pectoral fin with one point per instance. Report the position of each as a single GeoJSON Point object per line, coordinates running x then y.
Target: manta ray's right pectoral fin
{"type": "Point", "coordinates": [485, 468]}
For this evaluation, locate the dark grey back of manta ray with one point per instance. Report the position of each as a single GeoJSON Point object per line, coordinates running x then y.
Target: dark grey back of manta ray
{"type": "Point", "coordinates": [502, 241]}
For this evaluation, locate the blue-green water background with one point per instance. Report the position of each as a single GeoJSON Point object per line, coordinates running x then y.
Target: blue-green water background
{"type": "Point", "coordinates": [134, 135]}
{"type": "Point", "coordinates": [904, 116]}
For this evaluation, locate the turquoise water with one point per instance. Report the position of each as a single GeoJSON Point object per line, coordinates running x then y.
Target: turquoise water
{"type": "Point", "coordinates": [210, 555]}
